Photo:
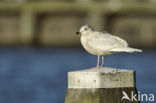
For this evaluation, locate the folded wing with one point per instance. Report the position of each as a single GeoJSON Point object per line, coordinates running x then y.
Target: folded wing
{"type": "Point", "coordinates": [106, 42]}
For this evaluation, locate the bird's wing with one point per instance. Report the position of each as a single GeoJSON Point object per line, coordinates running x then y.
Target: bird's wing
{"type": "Point", "coordinates": [121, 41]}
{"type": "Point", "coordinates": [105, 42]}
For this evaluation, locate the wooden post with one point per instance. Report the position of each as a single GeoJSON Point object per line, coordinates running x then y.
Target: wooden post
{"type": "Point", "coordinates": [104, 85]}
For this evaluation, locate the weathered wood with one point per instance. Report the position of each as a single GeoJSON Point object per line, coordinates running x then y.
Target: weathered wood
{"type": "Point", "coordinates": [105, 85]}
{"type": "Point", "coordinates": [101, 78]}
{"type": "Point", "coordinates": [99, 95]}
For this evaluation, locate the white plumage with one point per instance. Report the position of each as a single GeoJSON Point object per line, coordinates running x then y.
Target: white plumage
{"type": "Point", "coordinates": [103, 43]}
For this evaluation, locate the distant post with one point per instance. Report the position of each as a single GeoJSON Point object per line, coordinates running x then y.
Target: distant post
{"type": "Point", "coordinates": [104, 85]}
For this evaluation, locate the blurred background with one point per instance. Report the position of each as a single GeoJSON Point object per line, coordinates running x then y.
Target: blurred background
{"type": "Point", "coordinates": [38, 45]}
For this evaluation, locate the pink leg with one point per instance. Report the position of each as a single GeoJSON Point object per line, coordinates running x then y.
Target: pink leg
{"type": "Point", "coordinates": [98, 61]}
{"type": "Point", "coordinates": [102, 62]}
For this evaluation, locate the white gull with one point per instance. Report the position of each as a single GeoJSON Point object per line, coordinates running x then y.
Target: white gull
{"type": "Point", "coordinates": [102, 43]}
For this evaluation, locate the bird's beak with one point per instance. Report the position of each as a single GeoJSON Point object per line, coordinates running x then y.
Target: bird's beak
{"type": "Point", "coordinates": [77, 33]}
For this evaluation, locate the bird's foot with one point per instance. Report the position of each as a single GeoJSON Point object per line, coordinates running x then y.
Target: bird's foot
{"type": "Point", "coordinates": [101, 66]}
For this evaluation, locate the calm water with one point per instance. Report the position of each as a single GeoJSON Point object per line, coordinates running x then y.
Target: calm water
{"type": "Point", "coordinates": [39, 75]}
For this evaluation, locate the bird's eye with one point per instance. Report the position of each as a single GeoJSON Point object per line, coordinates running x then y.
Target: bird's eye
{"type": "Point", "coordinates": [85, 28]}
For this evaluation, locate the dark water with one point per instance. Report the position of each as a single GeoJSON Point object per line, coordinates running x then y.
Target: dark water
{"type": "Point", "coordinates": [39, 75]}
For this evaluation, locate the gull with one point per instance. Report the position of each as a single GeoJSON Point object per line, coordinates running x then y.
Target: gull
{"type": "Point", "coordinates": [102, 43]}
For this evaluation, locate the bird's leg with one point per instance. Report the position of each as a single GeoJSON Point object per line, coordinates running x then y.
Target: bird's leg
{"type": "Point", "coordinates": [102, 62]}
{"type": "Point", "coordinates": [98, 60]}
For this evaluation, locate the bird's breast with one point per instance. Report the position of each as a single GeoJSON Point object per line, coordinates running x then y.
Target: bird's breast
{"type": "Point", "coordinates": [90, 48]}
{"type": "Point", "coordinates": [87, 47]}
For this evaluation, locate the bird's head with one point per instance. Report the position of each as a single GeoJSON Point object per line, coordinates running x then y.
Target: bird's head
{"type": "Point", "coordinates": [85, 29]}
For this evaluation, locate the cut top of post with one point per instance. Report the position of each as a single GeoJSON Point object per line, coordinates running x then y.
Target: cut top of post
{"type": "Point", "coordinates": [101, 78]}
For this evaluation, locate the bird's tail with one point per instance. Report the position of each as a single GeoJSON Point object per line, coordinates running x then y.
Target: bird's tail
{"type": "Point", "coordinates": [128, 49]}
{"type": "Point", "coordinates": [132, 50]}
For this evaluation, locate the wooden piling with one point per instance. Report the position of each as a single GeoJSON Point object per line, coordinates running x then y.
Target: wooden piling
{"type": "Point", "coordinates": [105, 85]}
